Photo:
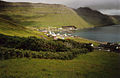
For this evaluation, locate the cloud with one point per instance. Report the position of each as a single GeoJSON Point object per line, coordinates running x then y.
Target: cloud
{"type": "Point", "coordinates": [95, 4]}
{"type": "Point", "coordinates": [107, 5]}
{"type": "Point", "coordinates": [111, 12]}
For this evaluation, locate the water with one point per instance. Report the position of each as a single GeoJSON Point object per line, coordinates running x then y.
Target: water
{"type": "Point", "coordinates": [106, 34]}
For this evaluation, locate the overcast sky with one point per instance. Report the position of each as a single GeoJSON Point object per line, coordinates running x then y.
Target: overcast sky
{"type": "Point", "coordinates": [94, 4]}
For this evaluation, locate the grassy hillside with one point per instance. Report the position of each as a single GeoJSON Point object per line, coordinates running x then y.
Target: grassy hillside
{"type": "Point", "coordinates": [39, 15]}
{"type": "Point", "coordinates": [92, 65]}
{"type": "Point", "coordinates": [9, 28]}
{"type": "Point", "coordinates": [95, 17]}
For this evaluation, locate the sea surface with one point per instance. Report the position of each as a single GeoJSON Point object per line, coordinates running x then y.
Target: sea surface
{"type": "Point", "coordinates": [104, 34]}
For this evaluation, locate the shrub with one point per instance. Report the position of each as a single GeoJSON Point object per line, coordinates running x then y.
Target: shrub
{"type": "Point", "coordinates": [10, 53]}
{"type": "Point", "coordinates": [31, 43]}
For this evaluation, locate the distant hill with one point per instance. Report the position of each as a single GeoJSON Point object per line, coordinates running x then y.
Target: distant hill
{"type": "Point", "coordinates": [95, 17]}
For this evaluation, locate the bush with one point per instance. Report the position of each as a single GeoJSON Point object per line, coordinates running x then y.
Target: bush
{"type": "Point", "coordinates": [35, 44]}
{"type": "Point", "coordinates": [32, 47]}
{"type": "Point", "coordinates": [31, 43]}
{"type": "Point", "coordinates": [10, 53]}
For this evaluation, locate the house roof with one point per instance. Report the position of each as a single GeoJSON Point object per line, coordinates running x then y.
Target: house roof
{"type": "Point", "coordinates": [68, 27]}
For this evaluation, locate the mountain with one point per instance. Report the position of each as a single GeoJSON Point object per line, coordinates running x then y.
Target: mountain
{"type": "Point", "coordinates": [95, 17]}
{"type": "Point", "coordinates": [19, 18]}
{"type": "Point", "coordinates": [39, 14]}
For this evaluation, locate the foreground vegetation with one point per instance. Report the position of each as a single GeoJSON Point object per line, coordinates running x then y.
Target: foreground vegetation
{"type": "Point", "coordinates": [32, 47]}
{"type": "Point", "coordinates": [31, 57]}
{"type": "Point", "coordinates": [10, 53]}
{"type": "Point", "coordinates": [37, 44]}
{"type": "Point", "coordinates": [92, 65]}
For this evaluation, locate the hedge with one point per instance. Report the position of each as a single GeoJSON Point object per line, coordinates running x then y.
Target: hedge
{"type": "Point", "coordinates": [36, 44]}
{"type": "Point", "coordinates": [31, 43]}
{"type": "Point", "coordinates": [11, 53]}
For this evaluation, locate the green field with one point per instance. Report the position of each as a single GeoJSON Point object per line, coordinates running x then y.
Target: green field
{"type": "Point", "coordinates": [91, 65]}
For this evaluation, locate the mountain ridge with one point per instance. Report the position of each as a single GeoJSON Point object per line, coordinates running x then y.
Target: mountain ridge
{"type": "Point", "coordinates": [95, 17]}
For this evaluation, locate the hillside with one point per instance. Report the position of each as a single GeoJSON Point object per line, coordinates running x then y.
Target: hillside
{"type": "Point", "coordinates": [8, 27]}
{"type": "Point", "coordinates": [94, 17]}
{"type": "Point", "coordinates": [92, 65]}
{"type": "Point", "coordinates": [39, 14]}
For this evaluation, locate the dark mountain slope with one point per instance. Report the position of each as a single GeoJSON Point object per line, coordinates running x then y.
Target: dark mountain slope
{"type": "Point", "coordinates": [94, 17]}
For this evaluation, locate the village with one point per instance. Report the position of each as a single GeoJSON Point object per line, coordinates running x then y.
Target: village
{"type": "Point", "coordinates": [109, 47]}
{"type": "Point", "coordinates": [59, 33]}
{"type": "Point", "coordinates": [64, 33]}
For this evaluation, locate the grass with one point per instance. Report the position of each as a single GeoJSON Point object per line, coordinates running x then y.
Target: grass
{"type": "Point", "coordinates": [8, 27]}
{"type": "Point", "coordinates": [92, 65]}
{"type": "Point", "coordinates": [42, 15]}
{"type": "Point", "coordinates": [83, 40]}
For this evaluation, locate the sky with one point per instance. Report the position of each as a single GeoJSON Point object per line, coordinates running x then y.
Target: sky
{"type": "Point", "coordinates": [106, 6]}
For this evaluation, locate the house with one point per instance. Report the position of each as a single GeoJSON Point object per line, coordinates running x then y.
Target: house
{"type": "Point", "coordinates": [89, 46]}
{"type": "Point", "coordinates": [69, 27]}
{"type": "Point", "coordinates": [111, 47]}
{"type": "Point", "coordinates": [58, 37]}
